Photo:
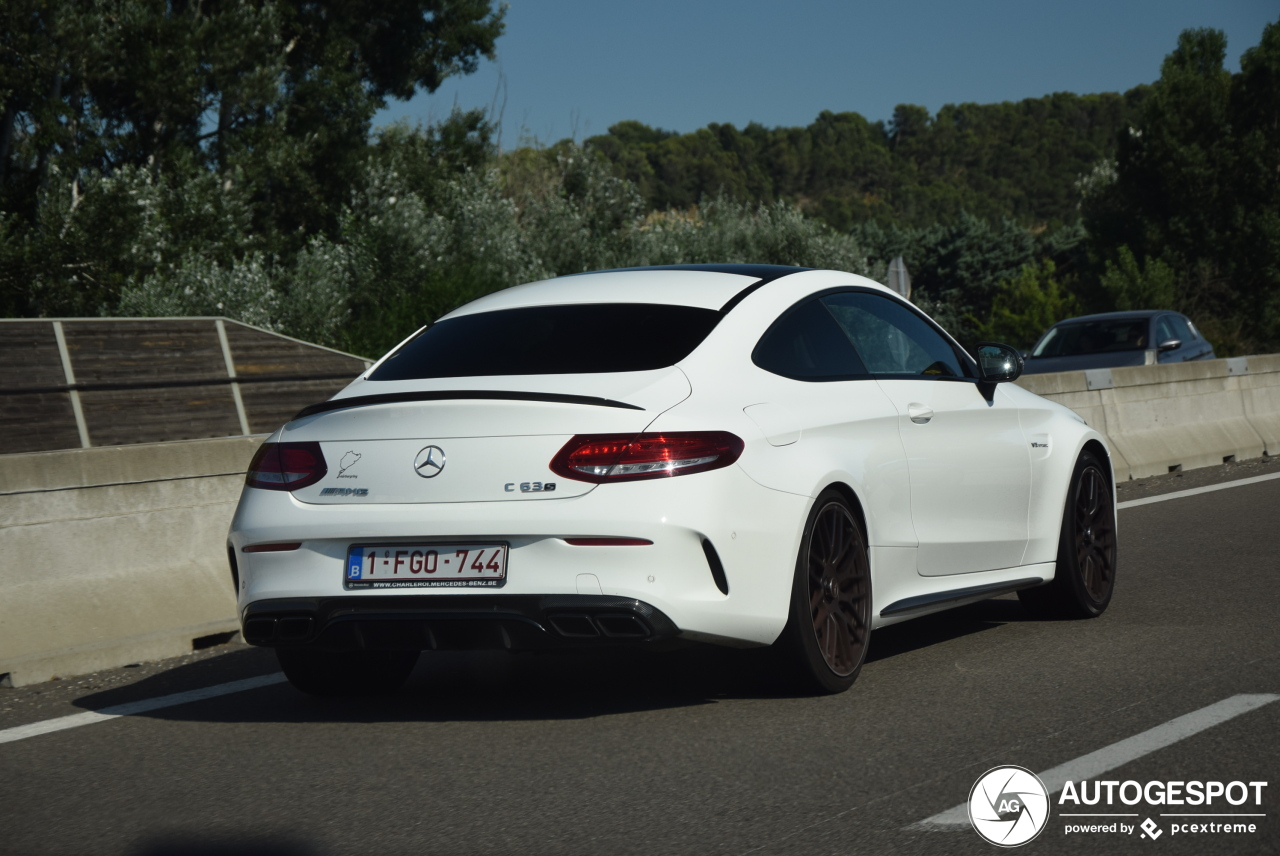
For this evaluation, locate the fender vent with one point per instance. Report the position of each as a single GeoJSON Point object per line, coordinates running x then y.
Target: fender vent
{"type": "Point", "coordinates": [235, 569]}
{"type": "Point", "coordinates": [717, 569]}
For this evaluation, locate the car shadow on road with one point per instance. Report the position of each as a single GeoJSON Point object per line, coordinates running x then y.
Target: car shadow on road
{"type": "Point", "coordinates": [497, 685]}
{"type": "Point", "coordinates": [479, 685]}
{"type": "Point", "coordinates": [942, 627]}
{"type": "Point", "coordinates": [203, 845]}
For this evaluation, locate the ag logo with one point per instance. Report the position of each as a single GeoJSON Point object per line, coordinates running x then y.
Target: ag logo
{"type": "Point", "coordinates": [430, 462]}
{"type": "Point", "coordinates": [1008, 806]}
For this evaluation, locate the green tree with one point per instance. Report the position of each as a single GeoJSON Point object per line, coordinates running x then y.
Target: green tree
{"type": "Point", "coordinates": [272, 97]}
{"type": "Point", "coordinates": [1197, 192]}
{"type": "Point", "coordinates": [1131, 285]}
{"type": "Point", "coordinates": [1025, 306]}
{"type": "Point", "coordinates": [994, 161]}
{"type": "Point", "coordinates": [956, 269]}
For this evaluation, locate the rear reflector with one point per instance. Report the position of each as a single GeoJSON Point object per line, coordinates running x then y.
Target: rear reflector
{"type": "Point", "coordinates": [608, 542]}
{"type": "Point", "coordinates": [600, 458]}
{"type": "Point", "coordinates": [271, 548]}
{"type": "Point", "coordinates": [286, 466]}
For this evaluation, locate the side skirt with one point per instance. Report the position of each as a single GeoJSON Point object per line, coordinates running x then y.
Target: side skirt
{"type": "Point", "coordinates": [935, 601]}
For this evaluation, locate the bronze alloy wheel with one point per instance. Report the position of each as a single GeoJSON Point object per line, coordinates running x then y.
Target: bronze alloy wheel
{"type": "Point", "coordinates": [1085, 576]}
{"type": "Point", "coordinates": [1095, 533]}
{"type": "Point", "coordinates": [839, 590]}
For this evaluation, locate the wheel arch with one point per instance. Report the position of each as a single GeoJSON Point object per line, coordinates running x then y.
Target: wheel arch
{"type": "Point", "coordinates": [1097, 447]}
{"type": "Point", "coordinates": [851, 496]}
{"type": "Point", "coordinates": [1063, 595]}
{"type": "Point", "coordinates": [818, 670]}
{"type": "Point", "coordinates": [1058, 498]}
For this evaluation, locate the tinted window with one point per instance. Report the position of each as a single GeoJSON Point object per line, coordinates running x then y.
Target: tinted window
{"type": "Point", "coordinates": [1093, 337]}
{"type": "Point", "coordinates": [1182, 329]}
{"type": "Point", "coordinates": [1164, 329]}
{"type": "Point", "coordinates": [575, 339]}
{"type": "Point", "coordinates": [891, 339]}
{"type": "Point", "coordinates": [807, 344]}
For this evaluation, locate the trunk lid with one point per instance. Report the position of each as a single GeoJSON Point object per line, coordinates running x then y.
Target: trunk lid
{"type": "Point", "coordinates": [484, 439]}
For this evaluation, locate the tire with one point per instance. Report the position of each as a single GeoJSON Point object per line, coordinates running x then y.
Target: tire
{"type": "Point", "coordinates": [346, 673]}
{"type": "Point", "coordinates": [1085, 577]}
{"type": "Point", "coordinates": [829, 622]}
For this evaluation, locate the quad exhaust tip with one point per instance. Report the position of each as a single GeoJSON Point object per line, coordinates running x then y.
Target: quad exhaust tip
{"type": "Point", "coordinates": [611, 626]}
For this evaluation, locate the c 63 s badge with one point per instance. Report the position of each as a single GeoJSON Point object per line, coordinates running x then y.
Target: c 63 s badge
{"type": "Point", "coordinates": [530, 487]}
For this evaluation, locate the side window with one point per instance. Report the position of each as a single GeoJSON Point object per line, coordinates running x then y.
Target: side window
{"type": "Point", "coordinates": [807, 344]}
{"type": "Point", "coordinates": [1182, 329]}
{"type": "Point", "coordinates": [1164, 330]}
{"type": "Point", "coordinates": [893, 340]}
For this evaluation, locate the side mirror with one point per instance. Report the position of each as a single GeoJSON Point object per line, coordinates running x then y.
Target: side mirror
{"type": "Point", "coordinates": [998, 363]}
{"type": "Point", "coordinates": [1170, 345]}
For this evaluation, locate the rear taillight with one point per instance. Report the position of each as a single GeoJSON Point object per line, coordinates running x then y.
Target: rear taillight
{"type": "Point", "coordinates": [600, 458]}
{"type": "Point", "coordinates": [286, 466]}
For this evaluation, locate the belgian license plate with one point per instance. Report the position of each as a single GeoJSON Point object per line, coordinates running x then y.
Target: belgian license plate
{"type": "Point", "coordinates": [425, 566]}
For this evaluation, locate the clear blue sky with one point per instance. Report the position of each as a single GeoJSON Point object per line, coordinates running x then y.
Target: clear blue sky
{"type": "Point", "coordinates": [574, 67]}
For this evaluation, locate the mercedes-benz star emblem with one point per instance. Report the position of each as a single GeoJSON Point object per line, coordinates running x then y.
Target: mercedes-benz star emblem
{"type": "Point", "coordinates": [430, 462]}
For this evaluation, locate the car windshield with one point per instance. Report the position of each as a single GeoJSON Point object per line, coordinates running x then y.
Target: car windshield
{"type": "Point", "coordinates": [1093, 337]}
{"type": "Point", "coordinates": [573, 339]}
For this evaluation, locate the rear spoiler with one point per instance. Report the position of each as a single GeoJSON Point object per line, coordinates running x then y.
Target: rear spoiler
{"type": "Point", "coordinates": [450, 395]}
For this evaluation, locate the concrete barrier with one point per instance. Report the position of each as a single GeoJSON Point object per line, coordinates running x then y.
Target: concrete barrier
{"type": "Point", "coordinates": [1176, 416]}
{"type": "Point", "coordinates": [1260, 388]}
{"type": "Point", "coordinates": [115, 555]}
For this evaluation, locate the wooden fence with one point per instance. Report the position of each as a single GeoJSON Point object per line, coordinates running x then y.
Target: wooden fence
{"type": "Point", "coordinates": [78, 382]}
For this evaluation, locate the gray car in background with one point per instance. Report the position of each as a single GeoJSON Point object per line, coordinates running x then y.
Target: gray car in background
{"type": "Point", "coordinates": [1113, 339]}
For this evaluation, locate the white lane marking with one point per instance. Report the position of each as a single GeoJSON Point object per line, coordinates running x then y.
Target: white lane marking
{"type": "Point", "coordinates": [1117, 754]}
{"type": "Point", "coordinates": [1132, 503]}
{"type": "Point", "coordinates": [75, 720]}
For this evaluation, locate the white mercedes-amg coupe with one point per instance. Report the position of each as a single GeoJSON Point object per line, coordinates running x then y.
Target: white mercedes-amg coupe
{"type": "Point", "coordinates": [744, 455]}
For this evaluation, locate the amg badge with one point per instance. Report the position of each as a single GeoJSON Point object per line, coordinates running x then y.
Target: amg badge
{"type": "Point", "coordinates": [345, 491]}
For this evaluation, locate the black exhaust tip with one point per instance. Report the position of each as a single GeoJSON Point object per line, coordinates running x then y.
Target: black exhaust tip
{"type": "Point", "coordinates": [259, 630]}
{"type": "Point", "coordinates": [622, 626]}
{"type": "Point", "coordinates": [293, 628]}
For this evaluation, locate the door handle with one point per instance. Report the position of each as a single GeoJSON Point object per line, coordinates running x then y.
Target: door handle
{"type": "Point", "coordinates": [919, 413]}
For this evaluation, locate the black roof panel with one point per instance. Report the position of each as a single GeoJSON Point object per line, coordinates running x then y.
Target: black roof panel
{"type": "Point", "coordinates": [763, 274]}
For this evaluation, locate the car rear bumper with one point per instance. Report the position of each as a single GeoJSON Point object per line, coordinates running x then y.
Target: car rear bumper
{"type": "Point", "coordinates": [719, 566]}
{"type": "Point", "coordinates": [455, 622]}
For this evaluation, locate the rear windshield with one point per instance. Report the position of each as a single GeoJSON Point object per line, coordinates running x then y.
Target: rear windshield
{"type": "Point", "coordinates": [574, 339]}
{"type": "Point", "coordinates": [1094, 337]}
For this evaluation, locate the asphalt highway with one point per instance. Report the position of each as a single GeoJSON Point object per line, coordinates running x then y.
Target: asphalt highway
{"type": "Point", "coordinates": [695, 752]}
